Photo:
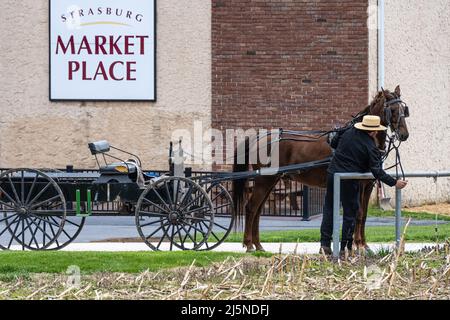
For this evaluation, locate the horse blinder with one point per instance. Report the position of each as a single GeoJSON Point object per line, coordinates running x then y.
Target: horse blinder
{"type": "Point", "coordinates": [387, 115]}
{"type": "Point", "coordinates": [406, 111]}
{"type": "Point", "coordinates": [388, 111]}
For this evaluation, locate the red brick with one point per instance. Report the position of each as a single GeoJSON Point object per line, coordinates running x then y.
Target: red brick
{"type": "Point", "coordinates": [291, 64]}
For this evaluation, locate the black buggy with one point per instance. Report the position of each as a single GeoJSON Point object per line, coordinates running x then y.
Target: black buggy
{"type": "Point", "coordinates": [46, 209]}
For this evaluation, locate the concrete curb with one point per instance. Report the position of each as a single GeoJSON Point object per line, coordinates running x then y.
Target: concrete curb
{"type": "Point", "coordinates": [300, 248]}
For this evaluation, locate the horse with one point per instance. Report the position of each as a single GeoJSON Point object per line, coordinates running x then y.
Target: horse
{"type": "Point", "coordinates": [309, 148]}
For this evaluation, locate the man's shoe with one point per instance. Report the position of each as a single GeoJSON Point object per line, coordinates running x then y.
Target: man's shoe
{"type": "Point", "coordinates": [325, 250]}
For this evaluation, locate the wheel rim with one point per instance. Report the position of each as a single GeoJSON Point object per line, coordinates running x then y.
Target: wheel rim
{"type": "Point", "coordinates": [223, 216]}
{"type": "Point", "coordinates": [71, 230]}
{"type": "Point", "coordinates": [168, 211]}
{"type": "Point", "coordinates": [28, 198]}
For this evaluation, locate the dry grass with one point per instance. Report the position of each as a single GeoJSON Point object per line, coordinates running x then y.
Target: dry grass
{"type": "Point", "coordinates": [441, 208]}
{"type": "Point", "coordinates": [397, 275]}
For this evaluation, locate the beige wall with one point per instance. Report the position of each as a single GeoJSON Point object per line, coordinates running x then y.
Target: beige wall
{"type": "Point", "coordinates": [417, 51]}
{"type": "Point", "coordinates": [35, 132]}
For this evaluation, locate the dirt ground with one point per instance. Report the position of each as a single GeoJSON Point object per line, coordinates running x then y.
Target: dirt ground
{"type": "Point", "coordinates": [424, 275]}
{"type": "Point", "coordinates": [441, 208]}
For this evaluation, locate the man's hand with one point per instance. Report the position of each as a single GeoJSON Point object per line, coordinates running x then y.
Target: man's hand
{"type": "Point", "coordinates": [401, 184]}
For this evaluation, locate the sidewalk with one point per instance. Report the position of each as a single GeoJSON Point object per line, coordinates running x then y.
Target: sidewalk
{"type": "Point", "coordinates": [301, 248]}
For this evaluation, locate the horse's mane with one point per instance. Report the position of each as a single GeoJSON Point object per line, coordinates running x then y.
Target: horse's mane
{"type": "Point", "coordinates": [376, 104]}
{"type": "Point", "coordinates": [376, 108]}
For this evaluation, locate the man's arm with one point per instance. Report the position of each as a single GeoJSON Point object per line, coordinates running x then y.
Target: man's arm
{"type": "Point", "coordinates": [336, 138]}
{"type": "Point", "coordinates": [376, 169]}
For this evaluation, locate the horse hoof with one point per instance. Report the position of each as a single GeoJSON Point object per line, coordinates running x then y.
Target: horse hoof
{"type": "Point", "coordinates": [368, 250]}
{"type": "Point", "coordinates": [250, 250]}
{"type": "Point", "coordinates": [260, 249]}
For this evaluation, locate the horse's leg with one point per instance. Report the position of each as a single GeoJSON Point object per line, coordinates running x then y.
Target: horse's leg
{"type": "Point", "coordinates": [249, 209]}
{"type": "Point", "coordinates": [365, 204]}
{"type": "Point", "coordinates": [366, 188]}
{"type": "Point", "coordinates": [292, 195]}
{"type": "Point", "coordinates": [267, 184]}
{"type": "Point", "coordinates": [252, 209]}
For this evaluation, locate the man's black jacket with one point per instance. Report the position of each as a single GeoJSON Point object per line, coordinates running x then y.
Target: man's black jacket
{"type": "Point", "coordinates": [356, 151]}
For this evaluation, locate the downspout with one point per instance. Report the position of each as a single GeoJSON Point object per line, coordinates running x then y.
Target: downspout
{"type": "Point", "coordinates": [380, 44]}
{"type": "Point", "coordinates": [380, 55]}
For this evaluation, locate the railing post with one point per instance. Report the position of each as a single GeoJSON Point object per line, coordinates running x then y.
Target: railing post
{"type": "Point", "coordinates": [398, 215]}
{"type": "Point", "coordinates": [178, 170]}
{"type": "Point", "coordinates": [188, 172]}
{"type": "Point", "coordinates": [336, 205]}
{"type": "Point", "coordinates": [305, 203]}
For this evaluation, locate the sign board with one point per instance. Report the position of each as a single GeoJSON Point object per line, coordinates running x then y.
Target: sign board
{"type": "Point", "coordinates": [102, 50]}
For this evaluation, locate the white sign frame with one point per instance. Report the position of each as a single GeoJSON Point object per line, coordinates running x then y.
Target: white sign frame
{"type": "Point", "coordinates": [141, 88]}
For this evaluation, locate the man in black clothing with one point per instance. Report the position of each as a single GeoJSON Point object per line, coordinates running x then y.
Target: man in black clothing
{"type": "Point", "coordinates": [356, 151]}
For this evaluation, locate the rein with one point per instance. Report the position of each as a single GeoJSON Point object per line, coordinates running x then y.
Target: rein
{"type": "Point", "coordinates": [393, 140]}
{"type": "Point", "coordinates": [305, 135]}
{"type": "Point", "coordinates": [394, 144]}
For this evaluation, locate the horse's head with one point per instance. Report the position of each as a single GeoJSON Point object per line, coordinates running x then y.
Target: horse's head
{"type": "Point", "coordinates": [395, 113]}
{"type": "Point", "coordinates": [392, 111]}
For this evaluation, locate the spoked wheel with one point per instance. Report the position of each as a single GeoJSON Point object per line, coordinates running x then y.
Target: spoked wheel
{"type": "Point", "coordinates": [169, 212]}
{"type": "Point", "coordinates": [32, 209]}
{"type": "Point", "coordinates": [72, 228]}
{"type": "Point", "coordinates": [223, 216]}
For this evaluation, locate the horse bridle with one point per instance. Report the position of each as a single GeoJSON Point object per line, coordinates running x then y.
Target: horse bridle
{"type": "Point", "coordinates": [393, 141]}
{"type": "Point", "coordinates": [403, 112]}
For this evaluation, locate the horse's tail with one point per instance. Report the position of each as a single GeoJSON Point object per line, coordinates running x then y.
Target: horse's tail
{"type": "Point", "coordinates": [239, 189]}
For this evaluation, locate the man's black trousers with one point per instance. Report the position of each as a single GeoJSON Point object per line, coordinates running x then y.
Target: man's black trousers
{"type": "Point", "coordinates": [350, 204]}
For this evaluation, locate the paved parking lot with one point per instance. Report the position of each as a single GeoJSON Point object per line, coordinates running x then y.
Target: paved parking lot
{"type": "Point", "coordinates": [102, 228]}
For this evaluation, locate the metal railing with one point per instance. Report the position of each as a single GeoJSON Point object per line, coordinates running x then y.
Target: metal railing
{"type": "Point", "coordinates": [288, 198]}
{"type": "Point", "coordinates": [398, 199]}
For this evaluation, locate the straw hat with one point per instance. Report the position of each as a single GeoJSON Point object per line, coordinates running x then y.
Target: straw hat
{"type": "Point", "coordinates": [370, 123]}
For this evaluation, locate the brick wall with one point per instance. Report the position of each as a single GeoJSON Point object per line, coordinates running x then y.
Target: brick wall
{"type": "Point", "coordinates": [288, 63]}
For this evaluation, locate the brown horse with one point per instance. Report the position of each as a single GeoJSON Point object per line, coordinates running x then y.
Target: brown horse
{"type": "Point", "coordinates": [292, 150]}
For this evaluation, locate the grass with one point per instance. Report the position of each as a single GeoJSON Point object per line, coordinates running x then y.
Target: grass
{"type": "Point", "coordinates": [14, 263]}
{"type": "Point", "coordinates": [373, 234]}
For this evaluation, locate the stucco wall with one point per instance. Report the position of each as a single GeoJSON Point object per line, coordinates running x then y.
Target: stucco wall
{"type": "Point", "coordinates": [35, 132]}
{"type": "Point", "coordinates": [417, 50]}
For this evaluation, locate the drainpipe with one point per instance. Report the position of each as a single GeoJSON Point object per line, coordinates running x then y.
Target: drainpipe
{"type": "Point", "coordinates": [380, 55]}
{"type": "Point", "coordinates": [380, 44]}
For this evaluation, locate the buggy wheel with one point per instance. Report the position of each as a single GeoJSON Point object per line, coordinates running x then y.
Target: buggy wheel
{"type": "Point", "coordinates": [168, 212]}
{"type": "Point", "coordinates": [223, 216]}
{"type": "Point", "coordinates": [29, 199]}
{"type": "Point", "coordinates": [72, 228]}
